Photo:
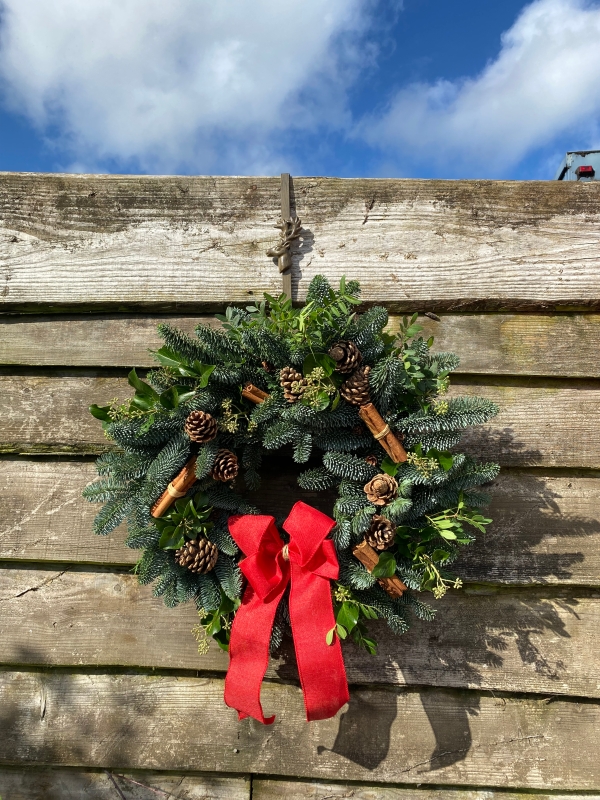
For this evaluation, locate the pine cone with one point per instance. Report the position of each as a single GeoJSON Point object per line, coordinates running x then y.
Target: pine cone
{"type": "Point", "coordinates": [201, 427]}
{"type": "Point", "coordinates": [225, 467]}
{"type": "Point", "coordinates": [267, 366]}
{"type": "Point", "coordinates": [371, 461]}
{"type": "Point", "coordinates": [292, 382]}
{"type": "Point", "coordinates": [355, 390]}
{"type": "Point", "coordinates": [347, 355]}
{"type": "Point", "coordinates": [197, 555]}
{"type": "Point", "coordinates": [381, 489]}
{"type": "Point", "coordinates": [381, 534]}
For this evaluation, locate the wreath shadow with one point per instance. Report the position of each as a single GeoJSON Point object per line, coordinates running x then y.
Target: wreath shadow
{"type": "Point", "coordinates": [505, 624]}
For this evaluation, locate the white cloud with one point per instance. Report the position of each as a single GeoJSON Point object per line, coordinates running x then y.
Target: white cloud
{"type": "Point", "coordinates": [178, 84]}
{"type": "Point", "coordinates": [545, 82]}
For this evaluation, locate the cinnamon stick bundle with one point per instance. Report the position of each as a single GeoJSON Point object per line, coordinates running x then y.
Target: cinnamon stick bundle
{"type": "Point", "coordinates": [177, 488]}
{"type": "Point", "coordinates": [254, 394]}
{"type": "Point", "coordinates": [369, 557]}
{"type": "Point", "coordinates": [381, 431]}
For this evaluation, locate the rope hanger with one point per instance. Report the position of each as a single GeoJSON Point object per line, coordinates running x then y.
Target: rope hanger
{"type": "Point", "coordinates": [290, 228]}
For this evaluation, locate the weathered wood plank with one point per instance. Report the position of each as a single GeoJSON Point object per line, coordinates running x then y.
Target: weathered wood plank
{"type": "Point", "coordinates": [519, 640]}
{"type": "Point", "coordinates": [33, 783]}
{"type": "Point", "coordinates": [318, 790]}
{"type": "Point", "coordinates": [546, 529]}
{"type": "Point", "coordinates": [560, 345]}
{"type": "Point", "coordinates": [430, 736]}
{"type": "Point", "coordinates": [546, 426]}
{"type": "Point", "coordinates": [127, 241]}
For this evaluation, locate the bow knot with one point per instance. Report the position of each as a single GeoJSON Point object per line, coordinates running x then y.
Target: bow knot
{"type": "Point", "coordinates": [308, 563]}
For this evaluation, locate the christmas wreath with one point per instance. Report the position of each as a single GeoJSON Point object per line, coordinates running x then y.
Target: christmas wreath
{"type": "Point", "coordinates": [365, 409]}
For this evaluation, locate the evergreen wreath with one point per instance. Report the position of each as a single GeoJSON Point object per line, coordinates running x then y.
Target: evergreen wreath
{"type": "Point", "coordinates": [317, 378]}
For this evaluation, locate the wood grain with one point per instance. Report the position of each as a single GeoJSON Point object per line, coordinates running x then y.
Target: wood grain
{"type": "Point", "coordinates": [559, 345]}
{"type": "Point", "coordinates": [62, 784]}
{"type": "Point", "coordinates": [318, 790]}
{"type": "Point", "coordinates": [413, 737]}
{"type": "Point", "coordinates": [546, 529]}
{"type": "Point", "coordinates": [519, 640]}
{"type": "Point", "coordinates": [119, 242]}
{"type": "Point", "coordinates": [49, 414]}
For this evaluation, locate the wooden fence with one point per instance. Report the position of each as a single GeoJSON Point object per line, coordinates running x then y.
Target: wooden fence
{"type": "Point", "coordinates": [102, 692]}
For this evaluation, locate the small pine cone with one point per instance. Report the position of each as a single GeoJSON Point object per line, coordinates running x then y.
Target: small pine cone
{"type": "Point", "coordinates": [371, 461]}
{"type": "Point", "coordinates": [292, 382]}
{"type": "Point", "coordinates": [225, 467]}
{"type": "Point", "coordinates": [201, 427]}
{"type": "Point", "coordinates": [381, 489]}
{"type": "Point", "coordinates": [359, 430]}
{"type": "Point", "coordinates": [356, 389]}
{"type": "Point", "coordinates": [197, 555]}
{"type": "Point", "coordinates": [381, 534]}
{"type": "Point", "coordinates": [347, 355]}
{"type": "Point", "coordinates": [267, 367]}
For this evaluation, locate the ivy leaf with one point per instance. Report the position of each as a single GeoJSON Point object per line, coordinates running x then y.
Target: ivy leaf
{"type": "Point", "coordinates": [141, 388]}
{"type": "Point", "coordinates": [315, 360]}
{"type": "Point", "coordinates": [170, 539]}
{"type": "Point", "coordinates": [329, 636]}
{"type": "Point", "coordinates": [390, 467]}
{"type": "Point", "coordinates": [385, 567]}
{"type": "Point", "coordinates": [100, 412]}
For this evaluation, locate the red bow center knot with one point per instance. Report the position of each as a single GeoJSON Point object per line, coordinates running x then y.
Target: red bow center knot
{"type": "Point", "coordinates": [308, 563]}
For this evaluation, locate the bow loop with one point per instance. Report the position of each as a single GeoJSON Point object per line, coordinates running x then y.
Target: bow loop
{"type": "Point", "coordinates": [308, 562]}
{"type": "Point", "coordinates": [307, 527]}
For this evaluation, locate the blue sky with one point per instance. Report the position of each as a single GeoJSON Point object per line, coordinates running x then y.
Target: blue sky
{"type": "Point", "coordinates": [419, 88]}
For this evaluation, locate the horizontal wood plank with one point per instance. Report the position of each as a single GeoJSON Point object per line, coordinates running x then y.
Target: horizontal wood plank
{"type": "Point", "coordinates": [119, 242]}
{"type": "Point", "coordinates": [539, 427]}
{"type": "Point", "coordinates": [319, 790]}
{"type": "Point", "coordinates": [33, 783]}
{"type": "Point", "coordinates": [519, 640]}
{"type": "Point", "coordinates": [414, 737]}
{"type": "Point", "coordinates": [546, 529]}
{"type": "Point", "coordinates": [560, 345]}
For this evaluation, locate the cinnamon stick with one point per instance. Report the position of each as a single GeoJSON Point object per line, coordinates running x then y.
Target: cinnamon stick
{"type": "Point", "coordinates": [369, 558]}
{"type": "Point", "coordinates": [381, 431]}
{"type": "Point", "coordinates": [177, 488]}
{"type": "Point", "coordinates": [254, 394]}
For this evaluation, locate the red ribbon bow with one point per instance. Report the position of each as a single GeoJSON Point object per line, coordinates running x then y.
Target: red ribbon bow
{"type": "Point", "coordinates": [309, 562]}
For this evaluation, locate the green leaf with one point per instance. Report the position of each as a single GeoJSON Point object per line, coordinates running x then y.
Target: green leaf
{"type": "Point", "coordinates": [390, 467]}
{"type": "Point", "coordinates": [440, 555]}
{"type": "Point", "coordinates": [445, 460]}
{"type": "Point", "coordinates": [167, 357]}
{"type": "Point", "coordinates": [100, 412]}
{"type": "Point", "coordinates": [335, 402]}
{"type": "Point", "coordinates": [348, 615]}
{"type": "Point", "coordinates": [169, 399]}
{"type": "Point", "coordinates": [140, 387]}
{"type": "Point", "coordinates": [143, 402]}
{"type": "Point", "coordinates": [329, 636]}
{"type": "Point", "coordinates": [315, 360]}
{"type": "Point", "coordinates": [385, 567]}
{"type": "Point", "coordinates": [341, 631]}
{"type": "Point", "coordinates": [171, 539]}
{"type": "Point", "coordinates": [448, 534]}
{"type": "Point", "coordinates": [147, 425]}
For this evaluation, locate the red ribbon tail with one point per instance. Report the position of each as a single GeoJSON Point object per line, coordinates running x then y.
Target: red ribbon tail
{"type": "Point", "coordinates": [320, 666]}
{"type": "Point", "coordinates": [249, 655]}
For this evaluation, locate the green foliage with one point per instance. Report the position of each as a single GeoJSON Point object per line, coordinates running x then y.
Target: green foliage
{"type": "Point", "coordinates": [437, 506]}
{"type": "Point", "coordinates": [186, 519]}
